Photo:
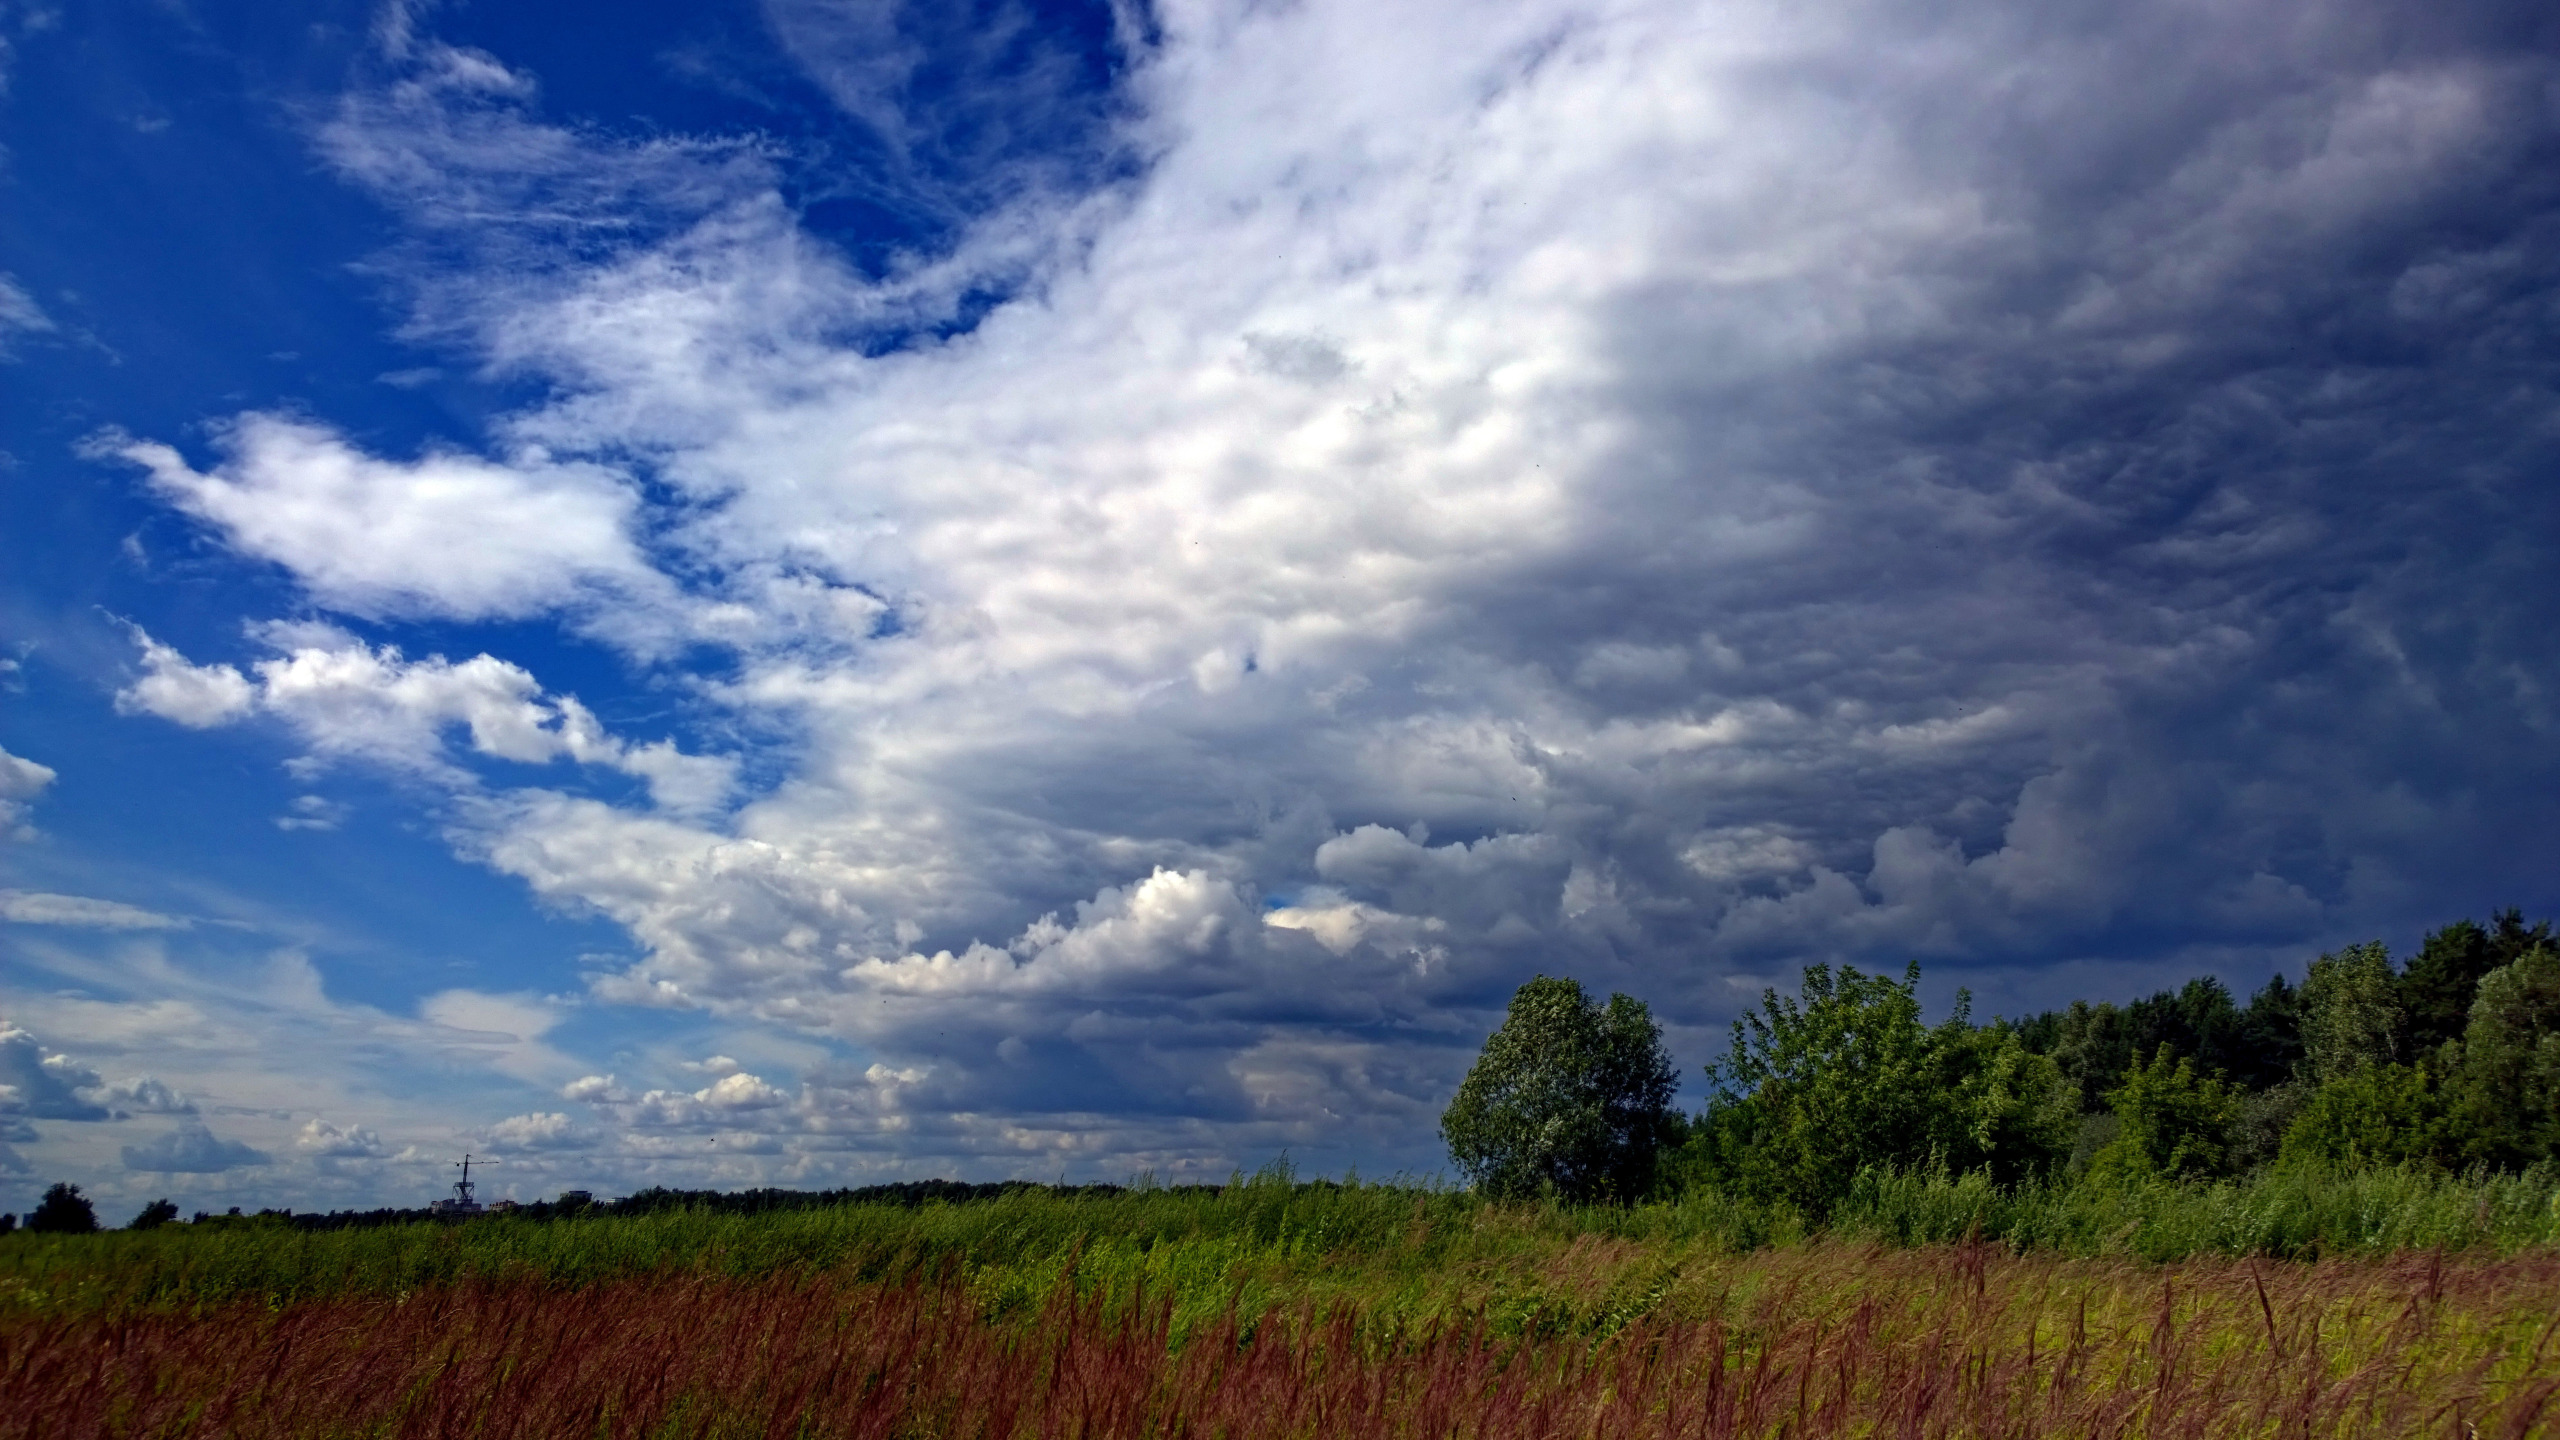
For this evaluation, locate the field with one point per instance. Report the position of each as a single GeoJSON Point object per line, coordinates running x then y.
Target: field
{"type": "Point", "coordinates": [2292, 1306]}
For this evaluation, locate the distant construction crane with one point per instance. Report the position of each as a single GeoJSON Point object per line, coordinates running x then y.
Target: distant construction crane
{"type": "Point", "coordinates": [461, 1203]}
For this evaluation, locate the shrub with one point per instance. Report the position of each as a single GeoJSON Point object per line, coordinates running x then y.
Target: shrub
{"type": "Point", "coordinates": [2171, 1122]}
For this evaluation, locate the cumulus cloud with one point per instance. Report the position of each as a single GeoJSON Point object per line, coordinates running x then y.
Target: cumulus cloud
{"type": "Point", "coordinates": [350, 700]}
{"type": "Point", "coordinates": [445, 535]}
{"type": "Point", "coordinates": [191, 1149]}
{"type": "Point", "coordinates": [1540, 487]}
{"type": "Point", "coordinates": [145, 1095]}
{"type": "Point", "coordinates": [320, 1138]}
{"type": "Point", "coordinates": [196, 696]}
{"type": "Point", "coordinates": [724, 1101]}
{"type": "Point", "coordinates": [539, 1131]}
{"type": "Point", "coordinates": [594, 1089]}
{"type": "Point", "coordinates": [41, 1085]}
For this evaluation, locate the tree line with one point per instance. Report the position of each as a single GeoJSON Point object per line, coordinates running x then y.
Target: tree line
{"type": "Point", "coordinates": [2451, 1061]}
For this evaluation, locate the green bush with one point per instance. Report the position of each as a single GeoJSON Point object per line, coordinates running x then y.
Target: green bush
{"type": "Point", "coordinates": [1848, 1079]}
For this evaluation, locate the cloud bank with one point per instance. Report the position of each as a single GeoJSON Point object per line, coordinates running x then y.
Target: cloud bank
{"type": "Point", "coordinates": [1574, 488]}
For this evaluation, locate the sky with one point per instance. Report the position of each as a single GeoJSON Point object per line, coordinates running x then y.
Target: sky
{"type": "Point", "coordinates": [826, 591]}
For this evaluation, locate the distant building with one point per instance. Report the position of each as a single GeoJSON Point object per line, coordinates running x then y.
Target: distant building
{"type": "Point", "coordinates": [574, 1199]}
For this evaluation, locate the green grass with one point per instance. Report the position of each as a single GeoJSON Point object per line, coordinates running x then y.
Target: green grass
{"type": "Point", "coordinates": [1398, 1253]}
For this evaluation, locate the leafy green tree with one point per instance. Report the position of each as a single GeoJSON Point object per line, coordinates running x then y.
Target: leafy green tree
{"type": "Point", "coordinates": [2350, 1013]}
{"type": "Point", "coordinates": [154, 1215]}
{"type": "Point", "coordinates": [1845, 1076]}
{"type": "Point", "coordinates": [2507, 1101]}
{"type": "Point", "coordinates": [1998, 1107]}
{"type": "Point", "coordinates": [1569, 1098]}
{"type": "Point", "coordinates": [63, 1211]}
{"type": "Point", "coordinates": [2379, 1115]}
{"type": "Point", "coordinates": [2170, 1121]}
{"type": "Point", "coordinates": [2090, 1044]}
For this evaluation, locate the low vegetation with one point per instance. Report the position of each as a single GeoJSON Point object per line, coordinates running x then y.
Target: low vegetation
{"type": "Point", "coordinates": [1273, 1307]}
{"type": "Point", "coordinates": [2332, 1212]}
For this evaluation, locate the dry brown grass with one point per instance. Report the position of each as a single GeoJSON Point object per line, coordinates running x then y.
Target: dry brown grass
{"type": "Point", "coordinates": [1811, 1341]}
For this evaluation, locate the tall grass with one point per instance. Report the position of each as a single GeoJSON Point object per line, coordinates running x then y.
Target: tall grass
{"type": "Point", "coordinates": [1819, 1340]}
{"type": "Point", "coordinates": [1396, 1251]}
{"type": "Point", "coordinates": [2294, 1213]}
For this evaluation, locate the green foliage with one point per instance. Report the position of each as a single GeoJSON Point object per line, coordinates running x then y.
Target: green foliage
{"type": "Point", "coordinates": [1816, 1089]}
{"type": "Point", "coordinates": [2351, 1015]}
{"type": "Point", "coordinates": [2507, 1110]}
{"type": "Point", "coordinates": [154, 1215]}
{"type": "Point", "coordinates": [63, 1211]}
{"type": "Point", "coordinates": [2380, 1115]}
{"type": "Point", "coordinates": [2270, 1037]}
{"type": "Point", "coordinates": [2090, 1044]}
{"type": "Point", "coordinates": [2266, 1117]}
{"type": "Point", "coordinates": [1569, 1098]}
{"type": "Point", "coordinates": [2170, 1121]}
{"type": "Point", "coordinates": [2437, 988]}
{"type": "Point", "coordinates": [1402, 1252]}
{"type": "Point", "coordinates": [2290, 1211]}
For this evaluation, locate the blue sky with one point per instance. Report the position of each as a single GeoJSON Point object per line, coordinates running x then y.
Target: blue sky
{"type": "Point", "coordinates": [818, 592]}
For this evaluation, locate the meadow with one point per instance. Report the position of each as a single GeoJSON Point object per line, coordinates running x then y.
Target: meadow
{"type": "Point", "coordinates": [2385, 1302]}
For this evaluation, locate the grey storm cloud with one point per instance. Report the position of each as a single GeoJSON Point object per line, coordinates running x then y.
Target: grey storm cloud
{"type": "Point", "coordinates": [2024, 488]}
{"type": "Point", "coordinates": [191, 1149]}
{"type": "Point", "coordinates": [40, 1086]}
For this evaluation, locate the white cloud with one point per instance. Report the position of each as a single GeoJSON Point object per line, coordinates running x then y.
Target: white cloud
{"type": "Point", "coordinates": [594, 1090]}
{"type": "Point", "coordinates": [21, 781]}
{"type": "Point", "coordinates": [347, 699]}
{"type": "Point", "coordinates": [445, 535]}
{"type": "Point", "coordinates": [146, 1095]}
{"type": "Point", "coordinates": [539, 1131]}
{"type": "Point", "coordinates": [35, 907]}
{"type": "Point", "coordinates": [320, 1138]}
{"type": "Point", "coordinates": [503, 1032]}
{"type": "Point", "coordinates": [313, 812]}
{"type": "Point", "coordinates": [741, 1092]}
{"type": "Point", "coordinates": [173, 688]}
{"type": "Point", "coordinates": [19, 312]}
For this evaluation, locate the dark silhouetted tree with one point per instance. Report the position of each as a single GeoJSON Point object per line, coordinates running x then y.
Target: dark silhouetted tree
{"type": "Point", "coordinates": [63, 1211]}
{"type": "Point", "coordinates": [154, 1215]}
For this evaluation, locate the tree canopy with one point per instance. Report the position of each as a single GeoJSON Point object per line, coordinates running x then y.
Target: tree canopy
{"type": "Point", "coordinates": [1845, 1077]}
{"type": "Point", "coordinates": [1569, 1098]}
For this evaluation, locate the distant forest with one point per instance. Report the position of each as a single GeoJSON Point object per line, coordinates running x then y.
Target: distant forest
{"type": "Point", "coordinates": [2449, 1062]}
